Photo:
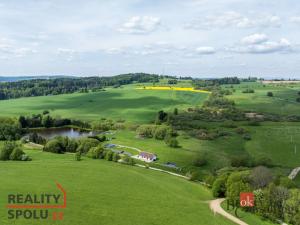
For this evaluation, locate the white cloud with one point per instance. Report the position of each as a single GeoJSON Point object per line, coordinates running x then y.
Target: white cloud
{"type": "Point", "coordinates": [205, 50]}
{"type": "Point", "coordinates": [270, 46]}
{"type": "Point", "coordinates": [260, 44]}
{"type": "Point", "coordinates": [140, 25]}
{"type": "Point", "coordinates": [254, 39]}
{"type": "Point", "coordinates": [65, 51]}
{"type": "Point", "coordinates": [295, 19]}
{"type": "Point", "coordinates": [234, 19]}
{"type": "Point", "coordinates": [21, 52]}
{"type": "Point", "coordinates": [114, 51]}
{"type": "Point", "coordinates": [9, 49]}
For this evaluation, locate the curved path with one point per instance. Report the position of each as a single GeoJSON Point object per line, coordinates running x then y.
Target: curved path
{"type": "Point", "coordinates": [215, 206]}
{"type": "Point", "coordinates": [294, 173]}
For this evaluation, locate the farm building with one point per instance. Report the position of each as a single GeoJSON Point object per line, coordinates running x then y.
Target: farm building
{"type": "Point", "coordinates": [147, 157]}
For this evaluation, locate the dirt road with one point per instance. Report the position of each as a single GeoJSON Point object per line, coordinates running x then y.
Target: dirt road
{"type": "Point", "coordinates": [215, 206]}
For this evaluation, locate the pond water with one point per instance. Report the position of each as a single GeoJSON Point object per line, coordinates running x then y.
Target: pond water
{"type": "Point", "coordinates": [65, 132]}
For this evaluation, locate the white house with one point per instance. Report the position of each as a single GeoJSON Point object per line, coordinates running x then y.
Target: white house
{"type": "Point", "coordinates": [147, 157]}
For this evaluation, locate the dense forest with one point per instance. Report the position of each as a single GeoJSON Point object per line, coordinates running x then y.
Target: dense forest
{"type": "Point", "coordinates": [199, 83]}
{"type": "Point", "coordinates": [40, 87]}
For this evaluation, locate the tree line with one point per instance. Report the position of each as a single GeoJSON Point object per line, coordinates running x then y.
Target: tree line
{"type": "Point", "coordinates": [47, 121]}
{"type": "Point", "coordinates": [44, 87]}
{"type": "Point", "coordinates": [200, 83]}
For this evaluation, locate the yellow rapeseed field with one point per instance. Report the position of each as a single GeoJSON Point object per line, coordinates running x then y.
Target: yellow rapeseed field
{"type": "Point", "coordinates": [166, 88]}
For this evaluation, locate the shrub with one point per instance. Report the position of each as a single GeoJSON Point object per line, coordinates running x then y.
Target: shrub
{"type": "Point", "coordinates": [229, 124]}
{"type": "Point", "coordinates": [115, 157]}
{"type": "Point", "coordinates": [175, 111]}
{"type": "Point", "coordinates": [172, 142]}
{"type": "Point", "coordinates": [236, 183]}
{"type": "Point", "coordinates": [219, 186]}
{"type": "Point", "coordinates": [161, 117]}
{"type": "Point", "coordinates": [109, 155]}
{"type": "Point", "coordinates": [192, 175]}
{"type": "Point", "coordinates": [247, 137]}
{"type": "Point", "coordinates": [72, 145]}
{"type": "Point", "coordinates": [287, 183]}
{"type": "Point", "coordinates": [78, 156]}
{"type": "Point", "coordinates": [241, 160]}
{"type": "Point", "coordinates": [85, 144]}
{"type": "Point", "coordinates": [201, 160]}
{"type": "Point", "coordinates": [248, 91]}
{"type": "Point", "coordinates": [6, 150]}
{"type": "Point", "coordinates": [209, 179]}
{"type": "Point", "coordinates": [145, 131]}
{"type": "Point", "coordinates": [253, 123]}
{"type": "Point", "coordinates": [103, 125]}
{"type": "Point", "coordinates": [25, 158]}
{"type": "Point", "coordinates": [128, 160]}
{"type": "Point", "coordinates": [35, 138]}
{"type": "Point", "coordinates": [16, 154]}
{"type": "Point", "coordinates": [270, 94]}
{"type": "Point", "coordinates": [263, 161]}
{"type": "Point", "coordinates": [54, 146]}
{"type": "Point", "coordinates": [102, 138]}
{"type": "Point", "coordinates": [160, 132]}
{"type": "Point", "coordinates": [96, 152]}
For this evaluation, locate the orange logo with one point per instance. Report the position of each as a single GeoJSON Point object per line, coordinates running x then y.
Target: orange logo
{"type": "Point", "coordinates": [246, 199]}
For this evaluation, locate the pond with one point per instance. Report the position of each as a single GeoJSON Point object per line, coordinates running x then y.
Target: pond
{"type": "Point", "coordinates": [65, 132]}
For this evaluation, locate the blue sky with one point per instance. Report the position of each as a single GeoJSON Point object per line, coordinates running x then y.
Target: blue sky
{"type": "Point", "coordinates": [201, 38]}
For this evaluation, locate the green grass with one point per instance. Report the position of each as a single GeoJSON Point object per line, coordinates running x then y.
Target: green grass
{"type": "Point", "coordinates": [297, 180]}
{"type": "Point", "coordinates": [122, 103]}
{"type": "Point", "coordinates": [283, 102]}
{"type": "Point", "coordinates": [271, 139]}
{"type": "Point", "coordinates": [218, 151]}
{"type": "Point", "coordinates": [101, 192]}
{"type": "Point", "coordinates": [277, 141]}
{"type": "Point", "coordinates": [247, 217]}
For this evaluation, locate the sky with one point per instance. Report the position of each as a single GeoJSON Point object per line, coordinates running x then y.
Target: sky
{"type": "Point", "coordinates": [199, 38]}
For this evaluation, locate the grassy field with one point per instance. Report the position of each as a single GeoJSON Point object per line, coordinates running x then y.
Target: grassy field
{"type": "Point", "coordinates": [122, 103]}
{"type": "Point", "coordinates": [277, 141]}
{"type": "Point", "coordinates": [218, 151]}
{"type": "Point", "coordinates": [283, 102]}
{"type": "Point", "coordinates": [101, 192]}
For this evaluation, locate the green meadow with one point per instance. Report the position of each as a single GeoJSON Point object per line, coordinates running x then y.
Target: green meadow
{"type": "Point", "coordinates": [124, 103]}
{"type": "Point", "coordinates": [283, 102]}
{"type": "Point", "coordinates": [101, 192]}
{"type": "Point", "coordinates": [218, 151]}
{"type": "Point", "coordinates": [278, 141]}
